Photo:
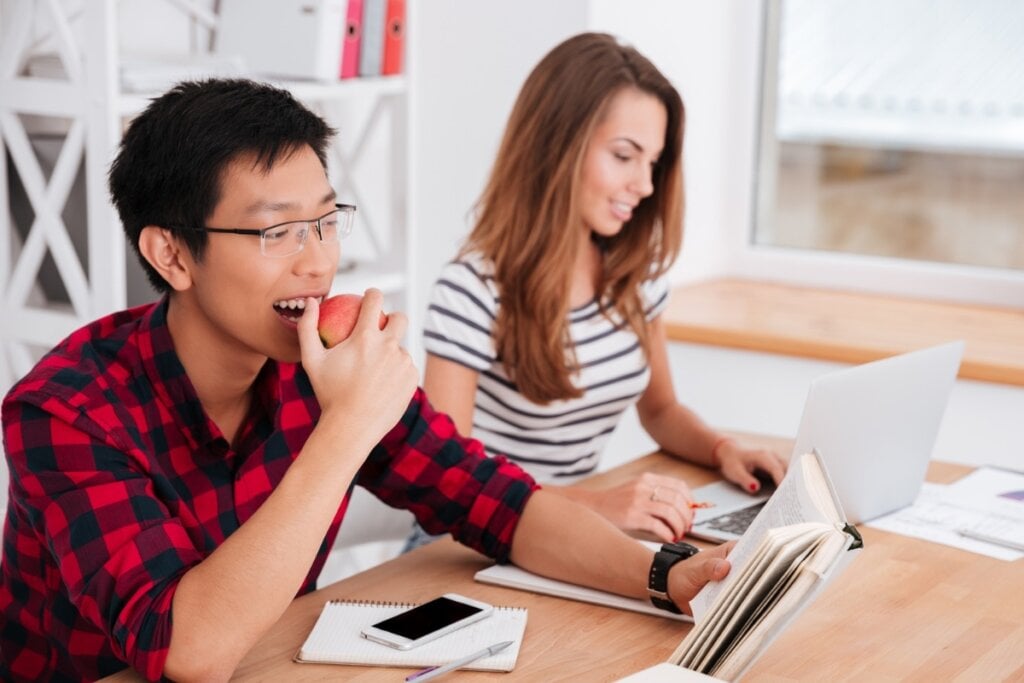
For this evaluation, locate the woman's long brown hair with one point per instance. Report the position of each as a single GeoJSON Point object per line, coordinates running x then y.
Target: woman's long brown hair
{"type": "Point", "coordinates": [526, 217]}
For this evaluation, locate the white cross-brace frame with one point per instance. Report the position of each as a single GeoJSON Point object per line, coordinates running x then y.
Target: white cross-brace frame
{"type": "Point", "coordinates": [86, 99]}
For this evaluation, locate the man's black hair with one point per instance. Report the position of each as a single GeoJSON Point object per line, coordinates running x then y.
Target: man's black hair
{"type": "Point", "coordinates": [170, 162]}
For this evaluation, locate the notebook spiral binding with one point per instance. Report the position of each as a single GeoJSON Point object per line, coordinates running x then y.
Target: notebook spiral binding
{"type": "Point", "coordinates": [373, 603]}
{"type": "Point", "coordinates": [400, 605]}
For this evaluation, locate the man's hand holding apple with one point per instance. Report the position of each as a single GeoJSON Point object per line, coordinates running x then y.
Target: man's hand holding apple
{"type": "Point", "coordinates": [365, 378]}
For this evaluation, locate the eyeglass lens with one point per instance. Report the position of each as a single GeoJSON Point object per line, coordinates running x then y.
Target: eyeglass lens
{"type": "Point", "coordinates": [289, 238]}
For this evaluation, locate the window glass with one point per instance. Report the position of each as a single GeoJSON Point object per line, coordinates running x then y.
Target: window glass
{"type": "Point", "coordinates": [894, 129]}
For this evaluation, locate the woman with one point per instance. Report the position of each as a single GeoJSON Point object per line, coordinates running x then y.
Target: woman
{"type": "Point", "coordinates": [548, 324]}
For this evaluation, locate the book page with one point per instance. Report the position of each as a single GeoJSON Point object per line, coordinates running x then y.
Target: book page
{"type": "Point", "coordinates": [790, 504]}
{"type": "Point", "coordinates": [752, 589]}
{"type": "Point", "coordinates": [796, 545]}
{"type": "Point", "coordinates": [790, 602]}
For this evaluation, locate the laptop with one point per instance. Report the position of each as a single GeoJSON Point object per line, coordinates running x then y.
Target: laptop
{"type": "Point", "coordinates": [873, 424]}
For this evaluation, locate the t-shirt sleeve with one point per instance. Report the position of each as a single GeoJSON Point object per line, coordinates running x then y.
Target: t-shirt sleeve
{"type": "Point", "coordinates": [654, 294]}
{"type": "Point", "coordinates": [460, 316]}
{"type": "Point", "coordinates": [119, 550]}
{"type": "Point", "coordinates": [423, 465]}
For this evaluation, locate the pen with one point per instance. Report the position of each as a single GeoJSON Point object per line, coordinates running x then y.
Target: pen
{"type": "Point", "coordinates": [995, 540]}
{"type": "Point", "coordinates": [434, 671]}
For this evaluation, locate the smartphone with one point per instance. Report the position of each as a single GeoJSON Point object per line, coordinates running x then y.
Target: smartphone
{"type": "Point", "coordinates": [428, 621]}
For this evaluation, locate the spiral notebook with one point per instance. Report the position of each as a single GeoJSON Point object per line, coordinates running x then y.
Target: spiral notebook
{"type": "Point", "coordinates": [336, 639]}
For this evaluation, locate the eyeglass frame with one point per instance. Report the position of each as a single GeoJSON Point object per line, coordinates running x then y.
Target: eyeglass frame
{"type": "Point", "coordinates": [347, 209]}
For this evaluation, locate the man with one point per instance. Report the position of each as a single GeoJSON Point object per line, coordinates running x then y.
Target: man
{"type": "Point", "coordinates": [179, 471]}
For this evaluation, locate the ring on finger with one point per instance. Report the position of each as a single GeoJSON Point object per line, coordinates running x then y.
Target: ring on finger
{"type": "Point", "coordinates": [654, 494]}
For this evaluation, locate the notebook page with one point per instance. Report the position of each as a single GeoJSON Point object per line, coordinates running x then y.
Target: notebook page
{"type": "Point", "coordinates": [336, 639]}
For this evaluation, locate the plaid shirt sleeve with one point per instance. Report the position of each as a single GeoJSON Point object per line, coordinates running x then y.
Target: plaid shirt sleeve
{"type": "Point", "coordinates": [118, 550]}
{"type": "Point", "coordinates": [449, 484]}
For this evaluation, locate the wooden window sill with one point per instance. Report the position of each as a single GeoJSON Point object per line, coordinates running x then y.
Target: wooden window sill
{"type": "Point", "coordinates": [845, 327]}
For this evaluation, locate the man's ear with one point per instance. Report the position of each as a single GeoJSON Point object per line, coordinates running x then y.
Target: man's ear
{"type": "Point", "coordinates": [168, 256]}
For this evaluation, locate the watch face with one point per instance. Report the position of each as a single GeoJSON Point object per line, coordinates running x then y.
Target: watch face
{"type": "Point", "coordinates": [684, 549]}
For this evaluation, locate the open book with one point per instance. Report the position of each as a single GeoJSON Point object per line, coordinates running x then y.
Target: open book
{"type": "Point", "coordinates": [798, 543]}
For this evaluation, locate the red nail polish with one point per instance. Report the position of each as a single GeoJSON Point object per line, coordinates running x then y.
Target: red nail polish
{"type": "Point", "coordinates": [753, 488]}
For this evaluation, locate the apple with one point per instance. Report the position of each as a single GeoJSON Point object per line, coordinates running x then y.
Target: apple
{"type": "Point", "coordinates": [338, 315]}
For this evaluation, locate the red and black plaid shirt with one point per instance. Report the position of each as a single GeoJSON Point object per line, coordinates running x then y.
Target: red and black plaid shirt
{"type": "Point", "coordinates": [120, 483]}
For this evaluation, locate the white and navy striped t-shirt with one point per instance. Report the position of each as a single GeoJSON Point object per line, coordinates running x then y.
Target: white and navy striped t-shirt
{"type": "Point", "coordinates": [563, 439]}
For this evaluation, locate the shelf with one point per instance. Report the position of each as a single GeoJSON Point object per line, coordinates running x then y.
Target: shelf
{"type": "Point", "coordinates": [85, 90]}
{"type": "Point", "coordinates": [130, 104]}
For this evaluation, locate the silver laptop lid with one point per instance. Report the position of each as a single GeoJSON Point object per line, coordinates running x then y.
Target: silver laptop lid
{"type": "Point", "coordinates": [875, 426]}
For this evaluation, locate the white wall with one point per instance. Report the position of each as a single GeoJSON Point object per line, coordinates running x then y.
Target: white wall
{"type": "Point", "coordinates": [471, 59]}
{"type": "Point", "coordinates": [762, 393]}
{"type": "Point", "coordinates": [710, 52]}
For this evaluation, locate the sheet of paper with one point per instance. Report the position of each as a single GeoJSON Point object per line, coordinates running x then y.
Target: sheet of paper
{"type": "Point", "coordinates": [999, 493]}
{"type": "Point", "coordinates": [937, 515]}
{"type": "Point", "coordinates": [513, 577]}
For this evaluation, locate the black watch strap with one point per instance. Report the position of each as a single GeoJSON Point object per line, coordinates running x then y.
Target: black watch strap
{"type": "Point", "coordinates": [657, 580]}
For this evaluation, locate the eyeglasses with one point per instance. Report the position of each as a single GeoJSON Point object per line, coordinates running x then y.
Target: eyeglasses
{"type": "Point", "coordinates": [287, 239]}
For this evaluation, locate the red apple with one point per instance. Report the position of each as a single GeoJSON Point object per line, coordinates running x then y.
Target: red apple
{"type": "Point", "coordinates": [338, 316]}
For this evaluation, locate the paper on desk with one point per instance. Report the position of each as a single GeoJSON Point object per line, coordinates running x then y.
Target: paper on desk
{"type": "Point", "coordinates": [940, 511]}
{"type": "Point", "coordinates": [513, 577]}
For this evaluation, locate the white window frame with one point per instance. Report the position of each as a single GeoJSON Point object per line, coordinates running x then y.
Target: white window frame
{"type": "Point", "coordinates": [904, 277]}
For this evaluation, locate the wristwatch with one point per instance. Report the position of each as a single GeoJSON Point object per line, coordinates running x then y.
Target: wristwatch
{"type": "Point", "coordinates": [657, 580]}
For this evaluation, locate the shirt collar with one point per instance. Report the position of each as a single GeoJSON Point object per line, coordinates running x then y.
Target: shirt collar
{"type": "Point", "coordinates": [174, 388]}
{"type": "Point", "coordinates": [168, 378]}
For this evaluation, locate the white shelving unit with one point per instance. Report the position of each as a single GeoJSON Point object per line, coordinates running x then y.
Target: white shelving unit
{"type": "Point", "coordinates": [88, 105]}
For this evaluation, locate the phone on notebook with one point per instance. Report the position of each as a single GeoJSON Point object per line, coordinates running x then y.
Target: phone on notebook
{"type": "Point", "coordinates": [428, 621]}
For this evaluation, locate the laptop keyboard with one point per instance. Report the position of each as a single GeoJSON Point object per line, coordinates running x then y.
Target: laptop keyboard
{"type": "Point", "coordinates": [736, 522]}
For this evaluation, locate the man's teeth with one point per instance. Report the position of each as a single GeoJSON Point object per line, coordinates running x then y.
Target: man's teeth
{"type": "Point", "coordinates": [293, 304]}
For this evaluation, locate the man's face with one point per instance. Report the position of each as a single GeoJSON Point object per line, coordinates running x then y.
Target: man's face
{"type": "Point", "coordinates": [237, 291]}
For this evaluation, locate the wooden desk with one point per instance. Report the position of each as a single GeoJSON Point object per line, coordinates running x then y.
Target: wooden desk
{"type": "Point", "coordinates": [904, 610]}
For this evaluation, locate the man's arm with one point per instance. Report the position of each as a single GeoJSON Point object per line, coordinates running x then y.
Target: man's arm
{"type": "Point", "coordinates": [564, 540]}
{"type": "Point", "coordinates": [224, 604]}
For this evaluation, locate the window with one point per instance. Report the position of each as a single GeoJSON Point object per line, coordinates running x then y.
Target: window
{"type": "Point", "coordinates": [891, 151]}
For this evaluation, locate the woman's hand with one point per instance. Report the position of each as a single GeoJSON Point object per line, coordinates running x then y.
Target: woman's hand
{"type": "Point", "coordinates": [738, 464]}
{"type": "Point", "coordinates": [653, 503]}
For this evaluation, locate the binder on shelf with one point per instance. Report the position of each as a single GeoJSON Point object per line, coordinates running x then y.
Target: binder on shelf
{"type": "Point", "coordinates": [394, 37]}
{"type": "Point", "coordinates": [371, 46]}
{"type": "Point", "coordinates": [349, 67]}
{"type": "Point", "coordinates": [283, 38]}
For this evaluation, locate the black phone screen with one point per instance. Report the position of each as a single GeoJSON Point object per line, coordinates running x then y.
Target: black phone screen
{"type": "Point", "coordinates": [426, 618]}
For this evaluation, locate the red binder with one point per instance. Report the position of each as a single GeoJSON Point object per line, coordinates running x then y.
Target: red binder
{"type": "Point", "coordinates": [394, 37]}
{"type": "Point", "coordinates": [349, 67]}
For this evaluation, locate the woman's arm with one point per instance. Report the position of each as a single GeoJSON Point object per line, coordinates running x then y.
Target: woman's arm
{"type": "Point", "coordinates": [451, 389]}
{"type": "Point", "coordinates": [682, 433]}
